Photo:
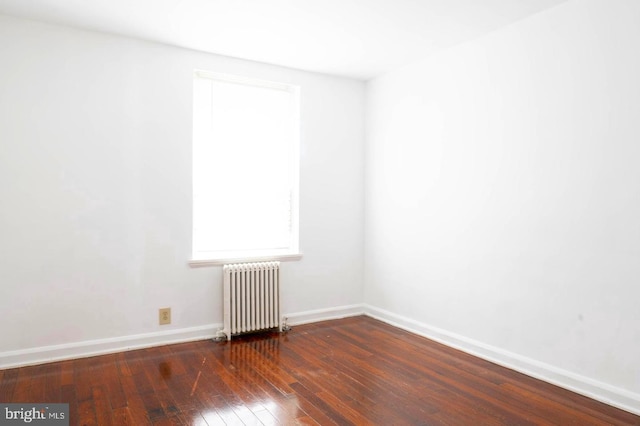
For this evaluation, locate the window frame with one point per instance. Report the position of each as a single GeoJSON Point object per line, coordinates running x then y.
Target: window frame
{"type": "Point", "coordinates": [293, 251]}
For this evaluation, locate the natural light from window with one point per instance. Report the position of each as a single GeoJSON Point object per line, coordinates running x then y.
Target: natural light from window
{"type": "Point", "coordinates": [245, 168]}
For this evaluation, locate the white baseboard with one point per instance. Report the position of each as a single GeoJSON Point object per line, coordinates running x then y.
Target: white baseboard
{"type": "Point", "coordinates": [317, 315]}
{"type": "Point", "coordinates": [44, 354]}
{"type": "Point", "coordinates": [594, 389]}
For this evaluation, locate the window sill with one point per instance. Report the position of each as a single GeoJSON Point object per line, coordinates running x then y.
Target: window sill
{"type": "Point", "coordinates": [218, 262]}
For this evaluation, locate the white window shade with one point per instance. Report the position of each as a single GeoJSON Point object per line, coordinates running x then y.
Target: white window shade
{"type": "Point", "coordinates": [245, 168]}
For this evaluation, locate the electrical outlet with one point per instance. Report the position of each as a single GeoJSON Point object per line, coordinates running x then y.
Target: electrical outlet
{"type": "Point", "coordinates": [164, 316]}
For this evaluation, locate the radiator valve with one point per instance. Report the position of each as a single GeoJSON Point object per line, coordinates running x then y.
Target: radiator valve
{"type": "Point", "coordinates": [285, 326]}
{"type": "Point", "coordinates": [220, 336]}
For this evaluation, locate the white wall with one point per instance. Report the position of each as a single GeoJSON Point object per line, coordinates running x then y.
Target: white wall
{"type": "Point", "coordinates": [95, 192]}
{"type": "Point", "coordinates": [502, 198]}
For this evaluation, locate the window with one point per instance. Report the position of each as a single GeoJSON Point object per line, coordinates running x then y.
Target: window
{"type": "Point", "coordinates": [245, 168]}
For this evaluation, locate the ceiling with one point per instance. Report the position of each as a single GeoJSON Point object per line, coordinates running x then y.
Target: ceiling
{"type": "Point", "coordinates": [354, 38]}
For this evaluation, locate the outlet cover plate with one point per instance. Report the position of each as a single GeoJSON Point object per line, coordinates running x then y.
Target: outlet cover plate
{"type": "Point", "coordinates": [164, 316]}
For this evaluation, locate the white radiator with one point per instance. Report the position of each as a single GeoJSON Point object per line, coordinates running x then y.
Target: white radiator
{"type": "Point", "coordinates": [251, 297]}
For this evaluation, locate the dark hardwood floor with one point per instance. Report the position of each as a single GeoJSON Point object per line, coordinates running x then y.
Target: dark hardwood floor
{"type": "Point", "coordinates": [353, 371]}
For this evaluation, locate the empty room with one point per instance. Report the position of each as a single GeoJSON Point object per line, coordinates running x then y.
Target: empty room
{"type": "Point", "coordinates": [384, 212]}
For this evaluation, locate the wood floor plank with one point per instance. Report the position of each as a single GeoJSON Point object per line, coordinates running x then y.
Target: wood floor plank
{"type": "Point", "coordinates": [87, 413]}
{"type": "Point", "coordinates": [23, 383]}
{"type": "Point", "coordinates": [102, 406]}
{"type": "Point", "coordinates": [68, 395]}
{"type": "Point", "coordinates": [8, 384]}
{"type": "Point", "coordinates": [67, 372]}
{"type": "Point", "coordinates": [52, 374]}
{"type": "Point", "coordinates": [122, 416]}
{"type": "Point", "coordinates": [353, 371]}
